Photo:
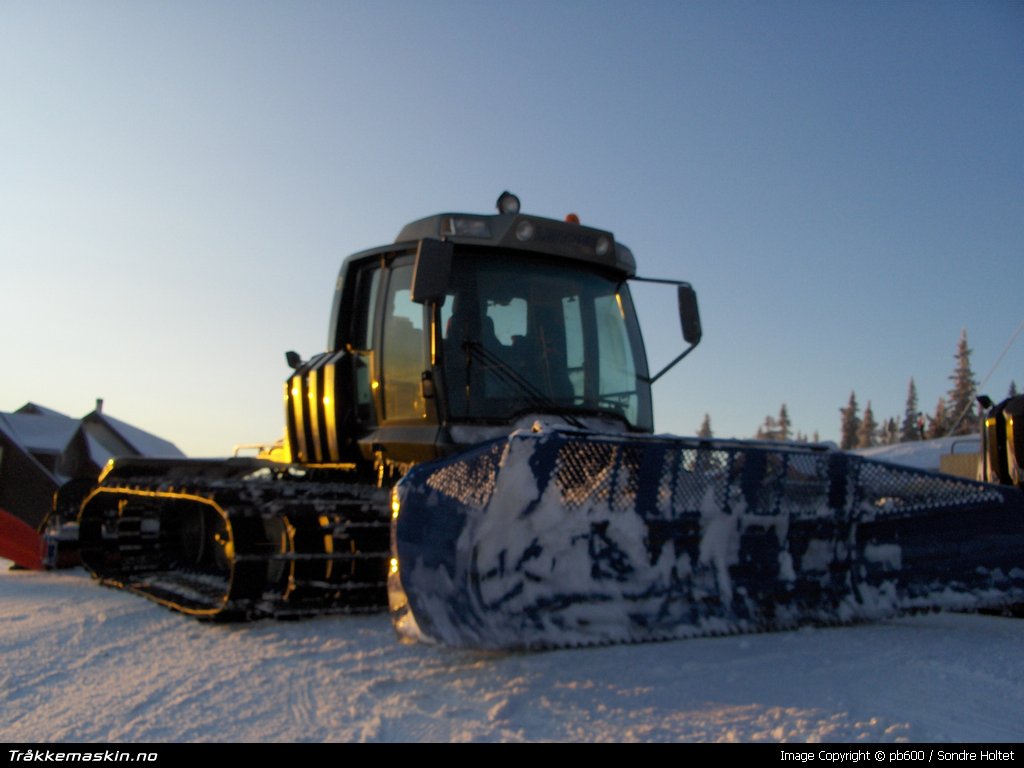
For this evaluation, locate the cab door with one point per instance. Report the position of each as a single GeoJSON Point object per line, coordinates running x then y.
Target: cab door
{"type": "Point", "coordinates": [407, 420]}
{"type": "Point", "coordinates": [403, 349]}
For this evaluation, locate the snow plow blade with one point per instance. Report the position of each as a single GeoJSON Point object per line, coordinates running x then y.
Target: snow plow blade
{"type": "Point", "coordinates": [558, 538]}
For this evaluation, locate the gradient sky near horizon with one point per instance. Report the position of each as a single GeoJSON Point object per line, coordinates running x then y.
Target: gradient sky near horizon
{"type": "Point", "coordinates": [842, 183]}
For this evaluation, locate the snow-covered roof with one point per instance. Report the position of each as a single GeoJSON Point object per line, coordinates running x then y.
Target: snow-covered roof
{"type": "Point", "coordinates": [39, 430]}
{"type": "Point", "coordinates": [43, 431]}
{"type": "Point", "coordinates": [39, 410]}
{"type": "Point", "coordinates": [144, 443]}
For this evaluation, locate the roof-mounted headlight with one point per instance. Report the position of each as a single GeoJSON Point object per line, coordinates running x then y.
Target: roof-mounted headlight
{"type": "Point", "coordinates": [465, 226]}
{"type": "Point", "coordinates": [508, 203]}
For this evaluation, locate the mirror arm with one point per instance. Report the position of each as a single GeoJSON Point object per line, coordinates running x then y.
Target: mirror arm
{"type": "Point", "coordinates": [689, 316]}
{"type": "Point", "coordinates": [663, 371]}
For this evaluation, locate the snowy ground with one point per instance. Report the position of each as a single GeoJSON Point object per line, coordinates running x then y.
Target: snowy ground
{"type": "Point", "coordinates": [924, 454]}
{"type": "Point", "coordinates": [86, 664]}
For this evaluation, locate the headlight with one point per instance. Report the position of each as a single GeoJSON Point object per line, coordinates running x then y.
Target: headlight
{"type": "Point", "coordinates": [465, 226]}
{"type": "Point", "coordinates": [524, 230]}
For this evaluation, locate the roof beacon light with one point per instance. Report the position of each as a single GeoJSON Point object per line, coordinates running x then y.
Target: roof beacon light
{"type": "Point", "coordinates": [572, 218]}
{"type": "Point", "coordinates": [508, 203]}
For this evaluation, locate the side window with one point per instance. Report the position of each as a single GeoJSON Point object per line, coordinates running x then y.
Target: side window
{"type": "Point", "coordinates": [362, 329]}
{"type": "Point", "coordinates": [617, 381]}
{"type": "Point", "coordinates": [362, 341]}
{"type": "Point", "coordinates": [574, 343]}
{"type": "Point", "coordinates": [402, 353]}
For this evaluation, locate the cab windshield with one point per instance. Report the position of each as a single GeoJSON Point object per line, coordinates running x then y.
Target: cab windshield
{"type": "Point", "coordinates": [526, 336]}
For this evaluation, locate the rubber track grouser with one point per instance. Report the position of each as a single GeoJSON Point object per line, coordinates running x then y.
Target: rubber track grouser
{"type": "Point", "coordinates": [238, 539]}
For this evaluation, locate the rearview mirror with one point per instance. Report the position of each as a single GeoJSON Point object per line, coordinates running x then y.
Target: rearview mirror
{"type": "Point", "coordinates": [689, 319]}
{"type": "Point", "coordinates": [432, 271]}
{"type": "Point", "coordinates": [689, 315]}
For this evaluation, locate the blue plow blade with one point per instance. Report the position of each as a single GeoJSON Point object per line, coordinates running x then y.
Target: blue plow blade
{"type": "Point", "coordinates": [558, 537]}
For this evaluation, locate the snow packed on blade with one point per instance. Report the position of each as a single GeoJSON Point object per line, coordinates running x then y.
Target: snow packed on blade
{"type": "Point", "coordinates": [557, 537]}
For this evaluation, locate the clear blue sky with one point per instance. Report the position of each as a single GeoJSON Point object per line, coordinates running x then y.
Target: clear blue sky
{"type": "Point", "coordinates": [842, 182]}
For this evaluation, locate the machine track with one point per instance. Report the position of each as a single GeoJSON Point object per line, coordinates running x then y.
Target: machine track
{"type": "Point", "coordinates": [239, 539]}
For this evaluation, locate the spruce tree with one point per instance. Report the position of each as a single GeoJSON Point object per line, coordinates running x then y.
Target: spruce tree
{"type": "Point", "coordinates": [866, 432]}
{"type": "Point", "coordinates": [890, 433]}
{"type": "Point", "coordinates": [962, 414]}
{"type": "Point", "coordinates": [1013, 389]}
{"type": "Point", "coordinates": [769, 430]}
{"type": "Point", "coordinates": [785, 426]}
{"type": "Point", "coordinates": [938, 423]}
{"type": "Point", "coordinates": [850, 424]}
{"type": "Point", "coordinates": [909, 430]}
{"type": "Point", "coordinates": [704, 461]}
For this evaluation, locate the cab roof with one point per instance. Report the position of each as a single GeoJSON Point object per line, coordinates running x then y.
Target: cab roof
{"type": "Point", "coordinates": [565, 239]}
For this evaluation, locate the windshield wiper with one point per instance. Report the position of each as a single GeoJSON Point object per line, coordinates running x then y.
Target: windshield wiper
{"type": "Point", "coordinates": [502, 371]}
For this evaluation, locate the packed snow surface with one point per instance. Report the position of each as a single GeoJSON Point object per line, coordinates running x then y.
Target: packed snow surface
{"type": "Point", "coordinates": [923, 454]}
{"type": "Point", "coordinates": [86, 664]}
